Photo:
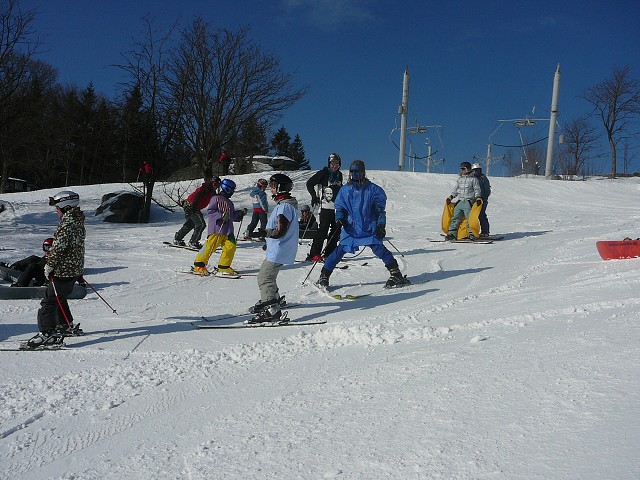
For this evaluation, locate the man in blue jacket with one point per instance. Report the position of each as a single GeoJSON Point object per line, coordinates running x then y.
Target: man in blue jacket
{"type": "Point", "coordinates": [360, 210]}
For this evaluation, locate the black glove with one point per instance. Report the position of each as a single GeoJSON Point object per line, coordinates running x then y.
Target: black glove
{"type": "Point", "coordinates": [244, 211]}
{"type": "Point", "coordinates": [478, 201]}
{"type": "Point", "coordinates": [315, 201]}
{"type": "Point", "coordinates": [225, 217]}
{"type": "Point", "coordinates": [449, 198]}
{"type": "Point", "coordinates": [381, 232]}
{"type": "Point", "coordinates": [339, 223]}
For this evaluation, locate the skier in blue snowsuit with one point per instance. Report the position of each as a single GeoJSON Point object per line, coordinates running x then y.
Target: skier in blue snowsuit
{"type": "Point", "coordinates": [360, 210]}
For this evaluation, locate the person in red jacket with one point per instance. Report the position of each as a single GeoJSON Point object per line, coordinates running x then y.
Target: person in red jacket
{"type": "Point", "coordinates": [192, 206]}
{"type": "Point", "coordinates": [225, 160]}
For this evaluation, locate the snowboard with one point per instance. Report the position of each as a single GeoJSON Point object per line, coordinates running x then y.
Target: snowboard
{"type": "Point", "coordinates": [618, 249]}
{"type": "Point", "coordinates": [463, 232]}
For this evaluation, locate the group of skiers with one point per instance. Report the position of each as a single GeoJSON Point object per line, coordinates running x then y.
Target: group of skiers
{"type": "Point", "coordinates": [352, 216]}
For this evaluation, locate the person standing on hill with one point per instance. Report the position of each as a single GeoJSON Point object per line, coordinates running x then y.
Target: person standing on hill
{"type": "Point", "coordinates": [65, 264]}
{"type": "Point", "coordinates": [329, 181]}
{"type": "Point", "coordinates": [485, 191]}
{"type": "Point", "coordinates": [282, 246]}
{"type": "Point", "coordinates": [224, 161]}
{"type": "Point", "coordinates": [467, 190]}
{"type": "Point", "coordinates": [221, 215]}
{"type": "Point", "coordinates": [260, 208]}
{"type": "Point", "coordinates": [308, 223]}
{"type": "Point", "coordinates": [360, 209]}
{"type": "Point", "coordinates": [193, 206]}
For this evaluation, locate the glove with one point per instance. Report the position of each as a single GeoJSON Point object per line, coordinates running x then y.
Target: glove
{"type": "Point", "coordinates": [225, 217]}
{"type": "Point", "coordinates": [449, 198]}
{"type": "Point", "coordinates": [244, 212]}
{"type": "Point", "coordinates": [315, 201]}
{"type": "Point", "coordinates": [478, 201]}
{"type": "Point", "coordinates": [339, 223]}
{"type": "Point", "coordinates": [48, 271]}
{"type": "Point", "coordinates": [381, 232]}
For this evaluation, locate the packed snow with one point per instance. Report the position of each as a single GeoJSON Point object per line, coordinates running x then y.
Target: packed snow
{"type": "Point", "coordinates": [514, 360]}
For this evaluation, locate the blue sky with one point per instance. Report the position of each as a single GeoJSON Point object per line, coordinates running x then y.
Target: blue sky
{"type": "Point", "coordinates": [471, 63]}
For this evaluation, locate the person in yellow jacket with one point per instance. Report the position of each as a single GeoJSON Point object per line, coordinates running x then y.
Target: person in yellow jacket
{"type": "Point", "coordinates": [221, 214]}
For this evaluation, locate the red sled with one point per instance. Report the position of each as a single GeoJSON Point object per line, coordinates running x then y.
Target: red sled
{"type": "Point", "coordinates": [618, 249]}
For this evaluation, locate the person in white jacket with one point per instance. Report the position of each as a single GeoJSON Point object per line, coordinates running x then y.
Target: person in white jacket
{"type": "Point", "coordinates": [468, 191]}
{"type": "Point", "coordinates": [282, 246]}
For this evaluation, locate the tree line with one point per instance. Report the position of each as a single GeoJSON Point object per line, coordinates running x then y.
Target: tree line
{"type": "Point", "coordinates": [188, 94]}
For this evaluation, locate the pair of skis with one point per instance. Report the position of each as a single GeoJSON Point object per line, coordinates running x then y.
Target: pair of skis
{"type": "Point", "coordinates": [284, 321]}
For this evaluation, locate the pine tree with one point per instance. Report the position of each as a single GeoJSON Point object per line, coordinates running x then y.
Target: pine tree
{"type": "Point", "coordinates": [296, 152]}
{"type": "Point", "coordinates": [281, 143]}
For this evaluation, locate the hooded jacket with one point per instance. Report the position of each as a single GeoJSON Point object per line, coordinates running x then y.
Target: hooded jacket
{"type": "Point", "coordinates": [66, 255]}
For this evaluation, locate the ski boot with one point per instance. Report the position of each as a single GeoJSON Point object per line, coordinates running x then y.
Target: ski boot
{"type": "Point", "coordinates": [72, 330]}
{"type": "Point", "coordinates": [179, 242]}
{"type": "Point", "coordinates": [270, 313]}
{"type": "Point", "coordinates": [396, 279]}
{"type": "Point", "coordinates": [197, 245]}
{"type": "Point", "coordinates": [323, 281]}
{"type": "Point", "coordinates": [225, 271]}
{"type": "Point", "coordinates": [259, 306]}
{"type": "Point", "coordinates": [200, 270]}
{"type": "Point", "coordinates": [449, 237]}
{"type": "Point", "coordinates": [472, 237]}
{"type": "Point", "coordinates": [50, 339]}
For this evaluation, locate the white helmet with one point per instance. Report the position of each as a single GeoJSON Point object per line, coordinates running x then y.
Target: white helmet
{"type": "Point", "coordinates": [476, 166]}
{"type": "Point", "coordinates": [65, 200]}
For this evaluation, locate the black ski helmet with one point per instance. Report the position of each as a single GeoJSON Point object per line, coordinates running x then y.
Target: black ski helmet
{"type": "Point", "coordinates": [282, 182]}
{"type": "Point", "coordinates": [228, 186]}
{"type": "Point", "coordinates": [46, 244]}
{"type": "Point", "coordinates": [334, 157]}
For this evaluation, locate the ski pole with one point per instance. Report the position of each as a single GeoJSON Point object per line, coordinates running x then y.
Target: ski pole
{"type": "Point", "coordinates": [55, 291]}
{"type": "Point", "coordinates": [402, 255]}
{"type": "Point", "coordinates": [96, 292]}
{"type": "Point", "coordinates": [316, 262]}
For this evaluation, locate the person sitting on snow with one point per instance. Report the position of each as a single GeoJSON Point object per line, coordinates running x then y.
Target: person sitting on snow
{"type": "Point", "coordinates": [31, 267]}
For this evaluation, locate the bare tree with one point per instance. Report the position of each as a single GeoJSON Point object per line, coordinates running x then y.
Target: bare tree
{"type": "Point", "coordinates": [146, 65]}
{"type": "Point", "coordinates": [222, 80]}
{"type": "Point", "coordinates": [616, 101]}
{"type": "Point", "coordinates": [18, 45]}
{"type": "Point", "coordinates": [580, 140]}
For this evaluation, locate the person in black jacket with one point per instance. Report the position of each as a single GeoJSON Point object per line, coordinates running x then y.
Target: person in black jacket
{"type": "Point", "coordinates": [32, 267]}
{"type": "Point", "coordinates": [485, 191]}
{"type": "Point", "coordinates": [323, 187]}
{"type": "Point", "coordinates": [307, 223]}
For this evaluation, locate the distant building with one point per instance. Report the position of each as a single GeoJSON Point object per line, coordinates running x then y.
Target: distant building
{"type": "Point", "coordinates": [13, 185]}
